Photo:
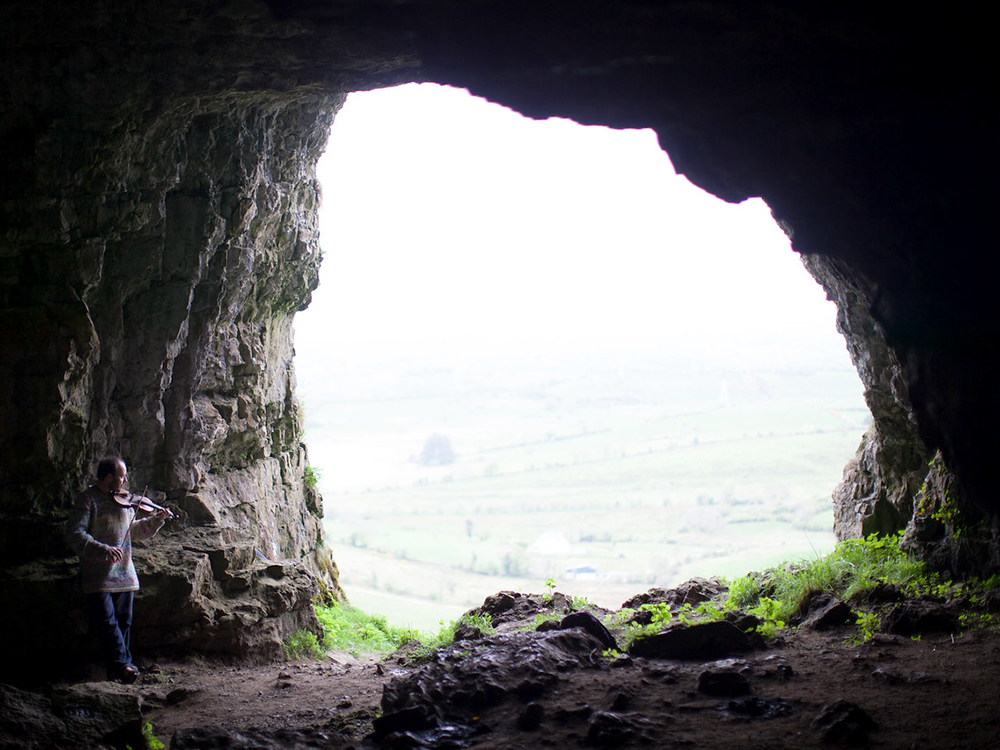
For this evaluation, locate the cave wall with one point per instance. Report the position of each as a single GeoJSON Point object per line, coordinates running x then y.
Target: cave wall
{"type": "Point", "coordinates": [158, 234]}
{"type": "Point", "coordinates": [876, 494]}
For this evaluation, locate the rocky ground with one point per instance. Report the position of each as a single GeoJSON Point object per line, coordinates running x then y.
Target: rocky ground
{"type": "Point", "coordinates": [704, 685]}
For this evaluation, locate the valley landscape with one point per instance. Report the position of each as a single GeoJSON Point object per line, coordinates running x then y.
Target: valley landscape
{"type": "Point", "coordinates": [603, 475]}
{"type": "Point", "coordinates": [537, 354]}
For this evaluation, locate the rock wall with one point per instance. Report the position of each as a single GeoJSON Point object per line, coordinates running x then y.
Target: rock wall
{"type": "Point", "coordinates": [877, 492]}
{"type": "Point", "coordinates": [176, 348]}
{"type": "Point", "coordinates": [157, 235]}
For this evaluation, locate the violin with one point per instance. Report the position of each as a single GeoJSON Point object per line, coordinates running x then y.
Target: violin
{"type": "Point", "coordinates": [139, 502]}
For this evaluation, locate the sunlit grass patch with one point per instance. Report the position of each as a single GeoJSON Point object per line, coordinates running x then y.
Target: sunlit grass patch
{"type": "Point", "coordinates": [354, 631]}
{"type": "Point", "coordinates": [346, 628]}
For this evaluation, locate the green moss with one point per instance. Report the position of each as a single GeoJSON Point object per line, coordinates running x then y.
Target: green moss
{"type": "Point", "coordinates": [542, 617]}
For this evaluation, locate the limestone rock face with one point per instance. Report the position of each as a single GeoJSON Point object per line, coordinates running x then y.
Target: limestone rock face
{"type": "Point", "coordinates": [158, 233]}
{"type": "Point", "coordinates": [879, 484]}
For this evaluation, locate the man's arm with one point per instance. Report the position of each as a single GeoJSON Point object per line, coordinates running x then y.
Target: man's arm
{"type": "Point", "coordinates": [148, 526]}
{"type": "Point", "coordinates": [79, 537]}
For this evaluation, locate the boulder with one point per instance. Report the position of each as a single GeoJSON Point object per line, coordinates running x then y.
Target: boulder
{"type": "Point", "coordinates": [91, 715]}
{"type": "Point", "coordinates": [704, 641]}
{"type": "Point", "coordinates": [826, 612]}
{"type": "Point", "coordinates": [911, 618]}
{"type": "Point", "coordinates": [693, 591]}
{"type": "Point", "coordinates": [726, 683]}
{"type": "Point", "coordinates": [843, 721]}
{"type": "Point", "coordinates": [470, 676]}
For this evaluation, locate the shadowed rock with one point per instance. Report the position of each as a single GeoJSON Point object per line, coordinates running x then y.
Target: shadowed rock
{"type": "Point", "coordinates": [723, 682]}
{"type": "Point", "coordinates": [710, 640]}
{"type": "Point", "coordinates": [693, 591]}
{"type": "Point", "coordinates": [469, 677]}
{"type": "Point", "coordinates": [531, 717]}
{"type": "Point", "coordinates": [920, 617]}
{"type": "Point", "coordinates": [256, 739]}
{"type": "Point", "coordinates": [843, 721]}
{"type": "Point", "coordinates": [612, 729]}
{"type": "Point", "coordinates": [590, 624]}
{"type": "Point", "coordinates": [97, 714]}
{"type": "Point", "coordinates": [515, 607]}
{"type": "Point", "coordinates": [760, 708]}
{"type": "Point", "coordinates": [826, 612]}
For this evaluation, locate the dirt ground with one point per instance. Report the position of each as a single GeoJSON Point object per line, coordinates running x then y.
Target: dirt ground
{"type": "Point", "coordinates": [936, 692]}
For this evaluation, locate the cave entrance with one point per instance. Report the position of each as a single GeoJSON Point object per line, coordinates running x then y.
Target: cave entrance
{"type": "Point", "coordinates": [538, 353]}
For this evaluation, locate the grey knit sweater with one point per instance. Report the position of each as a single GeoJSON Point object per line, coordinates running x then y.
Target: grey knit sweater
{"type": "Point", "coordinates": [98, 523]}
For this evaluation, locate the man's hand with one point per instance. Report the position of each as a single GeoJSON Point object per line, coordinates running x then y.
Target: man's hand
{"type": "Point", "coordinates": [163, 514]}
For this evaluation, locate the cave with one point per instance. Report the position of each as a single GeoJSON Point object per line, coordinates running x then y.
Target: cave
{"type": "Point", "coordinates": [159, 200]}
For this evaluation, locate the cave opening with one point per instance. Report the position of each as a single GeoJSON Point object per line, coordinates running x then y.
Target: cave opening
{"type": "Point", "coordinates": [538, 353]}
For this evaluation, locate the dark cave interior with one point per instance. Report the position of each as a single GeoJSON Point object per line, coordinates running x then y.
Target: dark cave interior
{"type": "Point", "coordinates": [159, 203]}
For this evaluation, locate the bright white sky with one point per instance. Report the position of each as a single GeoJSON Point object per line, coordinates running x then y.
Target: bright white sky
{"type": "Point", "coordinates": [453, 225]}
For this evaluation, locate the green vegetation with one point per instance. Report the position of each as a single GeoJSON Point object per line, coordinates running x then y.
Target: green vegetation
{"type": "Point", "coordinates": [543, 617]}
{"type": "Point", "coordinates": [661, 615]}
{"type": "Point", "coordinates": [312, 477]}
{"type": "Point", "coordinates": [346, 628]}
{"type": "Point", "coordinates": [853, 569]}
{"type": "Point", "coordinates": [868, 624]}
{"type": "Point", "coordinates": [781, 594]}
{"type": "Point", "coordinates": [446, 633]}
{"type": "Point", "coordinates": [550, 588]}
{"type": "Point", "coordinates": [938, 501]}
{"type": "Point", "coordinates": [775, 597]}
{"type": "Point", "coordinates": [349, 629]}
{"type": "Point", "coordinates": [609, 476]}
{"type": "Point", "coordinates": [149, 738]}
{"type": "Point", "coordinates": [850, 573]}
{"type": "Point", "coordinates": [303, 644]}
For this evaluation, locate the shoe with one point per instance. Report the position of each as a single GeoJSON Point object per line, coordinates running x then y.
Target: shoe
{"type": "Point", "coordinates": [128, 675]}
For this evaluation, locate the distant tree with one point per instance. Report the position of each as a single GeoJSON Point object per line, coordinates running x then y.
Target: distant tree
{"type": "Point", "coordinates": [437, 450]}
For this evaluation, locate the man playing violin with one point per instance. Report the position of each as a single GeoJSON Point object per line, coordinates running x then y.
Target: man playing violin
{"type": "Point", "coordinates": [100, 530]}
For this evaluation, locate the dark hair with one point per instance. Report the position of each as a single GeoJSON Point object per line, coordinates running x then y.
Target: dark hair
{"type": "Point", "coordinates": [107, 466]}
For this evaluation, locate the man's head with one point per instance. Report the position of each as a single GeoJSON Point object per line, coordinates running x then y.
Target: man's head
{"type": "Point", "coordinates": [111, 474]}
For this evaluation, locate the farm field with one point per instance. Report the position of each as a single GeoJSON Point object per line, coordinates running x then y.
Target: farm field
{"type": "Point", "coordinates": [606, 474]}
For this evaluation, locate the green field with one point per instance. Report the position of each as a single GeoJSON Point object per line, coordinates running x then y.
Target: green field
{"type": "Point", "coordinates": [609, 476]}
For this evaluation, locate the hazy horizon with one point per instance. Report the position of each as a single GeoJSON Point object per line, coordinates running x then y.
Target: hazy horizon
{"type": "Point", "coordinates": [451, 224]}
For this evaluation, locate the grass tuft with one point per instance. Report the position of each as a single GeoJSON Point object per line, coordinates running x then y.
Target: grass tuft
{"type": "Point", "coordinates": [853, 569]}
{"type": "Point", "coordinates": [849, 573]}
{"type": "Point", "coordinates": [356, 632]}
{"type": "Point", "coordinates": [303, 644]}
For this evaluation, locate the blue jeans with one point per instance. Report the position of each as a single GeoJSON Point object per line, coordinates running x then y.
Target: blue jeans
{"type": "Point", "coordinates": [111, 615]}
